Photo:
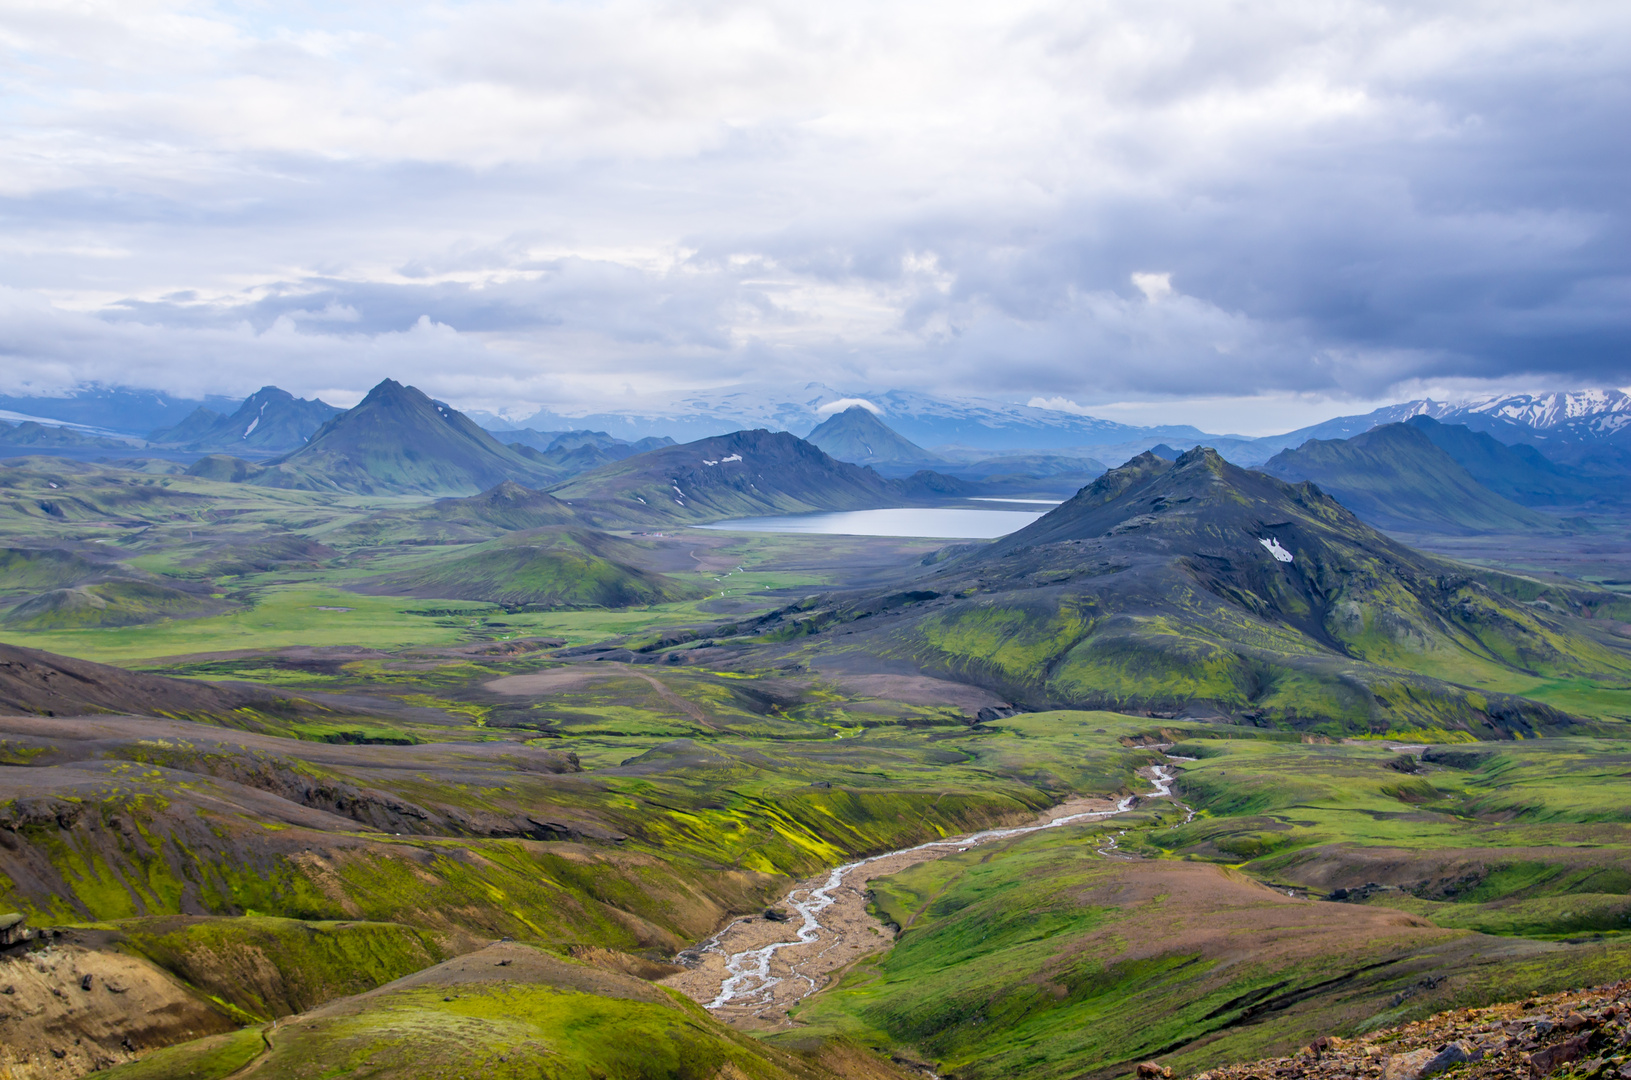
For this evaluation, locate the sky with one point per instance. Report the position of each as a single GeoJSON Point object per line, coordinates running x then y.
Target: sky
{"type": "Point", "coordinates": [1250, 215]}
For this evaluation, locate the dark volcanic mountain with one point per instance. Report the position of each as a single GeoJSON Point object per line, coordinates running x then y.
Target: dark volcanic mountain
{"type": "Point", "coordinates": [744, 474]}
{"type": "Point", "coordinates": [1396, 478]}
{"type": "Point", "coordinates": [1198, 586]}
{"type": "Point", "coordinates": [400, 441]}
{"type": "Point", "coordinates": [270, 421]}
{"type": "Point", "coordinates": [1520, 473]}
{"type": "Point", "coordinates": [857, 435]}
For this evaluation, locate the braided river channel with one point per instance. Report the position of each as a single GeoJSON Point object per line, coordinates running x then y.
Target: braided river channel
{"type": "Point", "coordinates": [755, 968]}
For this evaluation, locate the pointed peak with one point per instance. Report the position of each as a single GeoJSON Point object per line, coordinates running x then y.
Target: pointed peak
{"type": "Point", "coordinates": [387, 389]}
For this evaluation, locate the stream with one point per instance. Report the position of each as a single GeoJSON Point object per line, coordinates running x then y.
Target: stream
{"type": "Point", "coordinates": [754, 969]}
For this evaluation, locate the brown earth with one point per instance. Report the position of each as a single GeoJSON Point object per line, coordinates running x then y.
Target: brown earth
{"type": "Point", "coordinates": [42, 683]}
{"type": "Point", "coordinates": [66, 1010]}
{"type": "Point", "coordinates": [921, 690]}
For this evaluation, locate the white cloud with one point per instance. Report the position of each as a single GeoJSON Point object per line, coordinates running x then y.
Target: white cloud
{"type": "Point", "coordinates": [946, 196]}
{"type": "Point", "coordinates": [1153, 286]}
{"type": "Point", "coordinates": [842, 404]}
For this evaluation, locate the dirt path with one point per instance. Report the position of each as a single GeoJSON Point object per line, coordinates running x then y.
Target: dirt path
{"type": "Point", "coordinates": [752, 971]}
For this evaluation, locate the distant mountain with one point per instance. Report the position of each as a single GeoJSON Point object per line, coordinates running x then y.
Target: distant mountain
{"type": "Point", "coordinates": [744, 474]}
{"type": "Point", "coordinates": [1549, 421]}
{"type": "Point", "coordinates": [1197, 588]}
{"type": "Point", "coordinates": [857, 435]}
{"type": "Point", "coordinates": [35, 437]}
{"type": "Point", "coordinates": [1394, 477]}
{"type": "Point", "coordinates": [115, 409]}
{"type": "Point", "coordinates": [1034, 474]}
{"type": "Point", "coordinates": [1520, 473]}
{"type": "Point", "coordinates": [270, 421]}
{"type": "Point", "coordinates": [923, 419]}
{"type": "Point", "coordinates": [399, 441]}
{"type": "Point", "coordinates": [616, 449]}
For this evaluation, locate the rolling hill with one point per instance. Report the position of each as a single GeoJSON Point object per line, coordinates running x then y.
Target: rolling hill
{"type": "Point", "coordinates": [33, 682]}
{"type": "Point", "coordinates": [270, 421]}
{"type": "Point", "coordinates": [1396, 478]}
{"type": "Point", "coordinates": [399, 441]}
{"type": "Point", "coordinates": [1198, 587]}
{"type": "Point", "coordinates": [744, 474]}
{"type": "Point", "coordinates": [507, 507]}
{"type": "Point", "coordinates": [548, 568]}
{"type": "Point", "coordinates": [857, 435]}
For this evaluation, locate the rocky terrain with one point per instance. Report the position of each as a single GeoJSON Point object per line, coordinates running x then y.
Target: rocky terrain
{"type": "Point", "coordinates": [1583, 1034]}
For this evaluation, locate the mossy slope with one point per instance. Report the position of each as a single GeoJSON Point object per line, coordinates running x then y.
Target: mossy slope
{"type": "Point", "coordinates": [504, 1012]}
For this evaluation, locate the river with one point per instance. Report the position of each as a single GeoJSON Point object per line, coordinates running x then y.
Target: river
{"type": "Point", "coordinates": [752, 971]}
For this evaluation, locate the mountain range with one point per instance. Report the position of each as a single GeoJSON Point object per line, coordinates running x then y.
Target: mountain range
{"type": "Point", "coordinates": [1588, 430]}
{"type": "Point", "coordinates": [1396, 477]}
{"type": "Point", "coordinates": [1417, 477]}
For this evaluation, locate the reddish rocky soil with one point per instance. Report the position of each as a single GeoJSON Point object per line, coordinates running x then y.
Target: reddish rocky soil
{"type": "Point", "coordinates": [1582, 1034]}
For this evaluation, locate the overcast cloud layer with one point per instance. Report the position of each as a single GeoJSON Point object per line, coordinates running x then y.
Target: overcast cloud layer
{"type": "Point", "coordinates": [588, 204]}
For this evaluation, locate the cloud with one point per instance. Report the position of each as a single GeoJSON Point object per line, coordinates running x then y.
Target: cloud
{"type": "Point", "coordinates": [842, 404]}
{"type": "Point", "coordinates": [565, 203]}
{"type": "Point", "coordinates": [1153, 286]}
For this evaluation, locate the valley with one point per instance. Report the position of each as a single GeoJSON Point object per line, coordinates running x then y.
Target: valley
{"type": "Point", "coordinates": [407, 754]}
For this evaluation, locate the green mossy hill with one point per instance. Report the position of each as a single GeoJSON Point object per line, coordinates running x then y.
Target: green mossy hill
{"type": "Point", "coordinates": [224, 468]}
{"type": "Point", "coordinates": [857, 435]}
{"type": "Point", "coordinates": [111, 603]}
{"type": "Point", "coordinates": [507, 1012]}
{"type": "Point", "coordinates": [1520, 473]}
{"type": "Point", "coordinates": [47, 492]}
{"type": "Point", "coordinates": [270, 421]}
{"type": "Point", "coordinates": [30, 570]}
{"type": "Point", "coordinates": [1395, 477]}
{"type": "Point", "coordinates": [506, 507]}
{"type": "Point", "coordinates": [1196, 585]}
{"type": "Point", "coordinates": [399, 441]}
{"type": "Point", "coordinates": [268, 967]}
{"type": "Point", "coordinates": [740, 475]}
{"type": "Point", "coordinates": [552, 568]}
{"type": "Point", "coordinates": [234, 556]}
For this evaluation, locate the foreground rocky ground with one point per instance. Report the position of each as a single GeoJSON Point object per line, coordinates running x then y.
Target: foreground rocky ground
{"type": "Point", "coordinates": [1582, 1035]}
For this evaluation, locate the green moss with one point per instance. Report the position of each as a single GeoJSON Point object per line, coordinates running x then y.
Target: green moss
{"type": "Point", "coordinates": [268, 967]}
{"type": "Point", "coordinates": [213, 1058]}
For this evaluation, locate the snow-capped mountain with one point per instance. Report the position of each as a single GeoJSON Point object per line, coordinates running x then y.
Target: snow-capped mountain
{"type": "Point", "coordinates": [925, 419]}
{"type": "Point", "coordinates": [1602, 410]}
{"type": "Point", "coordinates": [1579, 416]}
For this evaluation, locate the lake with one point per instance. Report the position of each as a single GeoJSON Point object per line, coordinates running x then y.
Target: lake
{"type": "Point", "coordinates": [946, 523]}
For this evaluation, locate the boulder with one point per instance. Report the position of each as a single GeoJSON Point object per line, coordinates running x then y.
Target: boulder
{"type": "Point", "coordinates": [1410, 1066]}
{"type": "Point", "coordinates": [14, 929]}
{"type": "Point", "coordinates": [1545, 1061]}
